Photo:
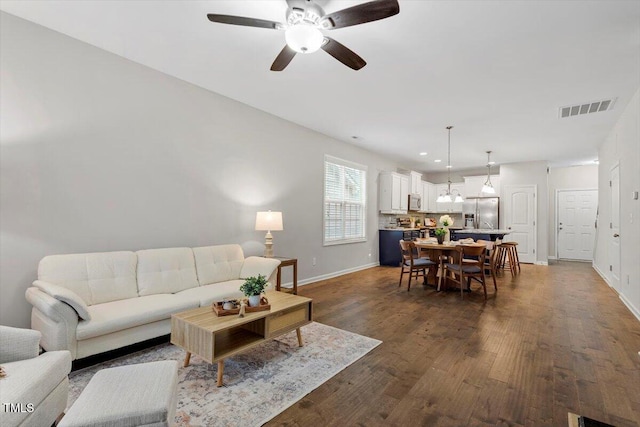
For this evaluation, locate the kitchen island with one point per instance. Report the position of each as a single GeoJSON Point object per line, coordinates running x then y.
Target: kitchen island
{"type": "Point", "coordinates": [479, 234]}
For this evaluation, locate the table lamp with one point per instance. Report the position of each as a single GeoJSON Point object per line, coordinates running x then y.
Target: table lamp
{"type": "Point", "coordinates": [268, 221]}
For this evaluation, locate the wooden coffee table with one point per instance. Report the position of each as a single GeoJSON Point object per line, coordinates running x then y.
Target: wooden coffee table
{"type": "Point", "coordinates": [215, 338]}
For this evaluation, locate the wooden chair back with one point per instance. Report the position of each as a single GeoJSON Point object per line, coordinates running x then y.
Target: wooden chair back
{"type": "Point", "coordinates": [408, 250]}
{"type": "Point", "coordinates": [472, 254]}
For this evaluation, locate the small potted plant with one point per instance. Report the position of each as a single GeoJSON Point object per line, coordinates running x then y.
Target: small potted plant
{"type": "Point", "coordinates": [253, 287]}
{"type": "Point", "coordinates": [440, 233]}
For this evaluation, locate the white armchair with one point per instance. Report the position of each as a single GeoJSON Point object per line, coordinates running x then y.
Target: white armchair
{"type": "Point", "coordinates": [35, 389]}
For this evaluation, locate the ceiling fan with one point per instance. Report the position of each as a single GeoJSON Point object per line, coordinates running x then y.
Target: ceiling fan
{"type": "Point", "coordinates": [305, 19]}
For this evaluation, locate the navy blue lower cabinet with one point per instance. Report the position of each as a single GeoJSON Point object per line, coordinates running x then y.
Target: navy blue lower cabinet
{"type": "Point", "coordinates": [390, 247]}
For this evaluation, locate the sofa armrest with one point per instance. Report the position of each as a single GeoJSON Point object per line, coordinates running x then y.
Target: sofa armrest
{"type": "Point", "coordinates": [255, 265]}
{"type": "Point", "coordinates": [56, 320]}
{"type": "Point", "coordinates": [18, 344]}
{"type": "Point", "coordinates": [65, 295]}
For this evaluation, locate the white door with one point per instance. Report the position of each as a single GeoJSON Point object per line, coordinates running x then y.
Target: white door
{"type": "Point", "coordinates": [576, 223]}
{"type": "Point", "coordinates": [520, 217]}
{"type": "Point", "coordinates": [614, 229]}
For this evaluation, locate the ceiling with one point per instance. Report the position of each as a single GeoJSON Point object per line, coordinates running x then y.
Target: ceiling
{"type": "Point", "coordinates": [496, 70]}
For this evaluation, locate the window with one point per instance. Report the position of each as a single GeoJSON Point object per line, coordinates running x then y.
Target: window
{"type": "Point", "coordinates": [345, 195]}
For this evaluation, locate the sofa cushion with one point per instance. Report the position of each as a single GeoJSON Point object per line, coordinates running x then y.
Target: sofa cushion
{"type": "Point", "coordinates": [119, 315]}
{"type": "Point", "coordinates": [31, 381]}
{"type": "Point", "coordinates": [218, 263]}
{"type": "Point", "coordinates": [65, 295]}
{"type": "Point", "coordinates": [95, 277]}
{"type": "Point", "coordinates": [165, 271]}
{"type": "Point", "coordinates": [254, 266]}
{"type": "Point", "coordinates": [208, 294]}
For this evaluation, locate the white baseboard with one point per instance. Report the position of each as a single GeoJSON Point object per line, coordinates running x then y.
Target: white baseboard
{"type": "Point", "coordinates": [541, 263]}
{"type": "Point", "coordinates": [601, 273]}
{"type": "Point", "coordinates": [331, 275]}
{"type": "Point", "coordinates": [552, 257]}
{"type": "Point", "coordinates": [634, 310]}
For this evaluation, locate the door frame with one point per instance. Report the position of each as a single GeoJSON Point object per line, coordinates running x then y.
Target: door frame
{"type": "Point", "coordinates": [557, 215]}
{"type": "Point", "coordinates": [616, 285]}
{"type": "Point", "coordinates": [507, 207]}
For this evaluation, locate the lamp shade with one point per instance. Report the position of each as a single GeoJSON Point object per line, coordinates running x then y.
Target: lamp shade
{"type": "Point", "coordinates": [488, 188]}
{"type": "Point", "coordinates": [269, 221]}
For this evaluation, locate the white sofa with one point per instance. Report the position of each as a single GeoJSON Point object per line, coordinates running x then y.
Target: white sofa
{"type": "Point", "coordinates": [34, 392]}
{"type": "Point", "coordinates": [95, 302]}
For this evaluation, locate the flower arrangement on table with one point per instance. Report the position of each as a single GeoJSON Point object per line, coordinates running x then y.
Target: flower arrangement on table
{"type": "Point", "coordinates": [440, 233]}
{"type": "Point", "coordinates": [446, 220]}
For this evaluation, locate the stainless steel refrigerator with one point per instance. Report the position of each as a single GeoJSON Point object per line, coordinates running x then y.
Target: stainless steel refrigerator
{"type": "Point", "coordinates": [481, 212]}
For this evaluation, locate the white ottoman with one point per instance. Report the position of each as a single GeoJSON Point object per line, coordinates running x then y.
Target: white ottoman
{"type": "Point", "coordinates": [133, 395]}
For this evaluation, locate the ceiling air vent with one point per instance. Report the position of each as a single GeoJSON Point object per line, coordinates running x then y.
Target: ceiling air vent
{"type": "Point", "coordinates": [590, 107]}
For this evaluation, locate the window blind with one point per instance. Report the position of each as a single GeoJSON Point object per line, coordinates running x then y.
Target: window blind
{"type": "Point", "coordinates": [344, 201]}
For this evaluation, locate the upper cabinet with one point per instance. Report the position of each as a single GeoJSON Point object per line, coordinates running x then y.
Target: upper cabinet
{"type": "Point", "coordinates": [415, 183]}
{"type": "Point", "coordinates": [424, 195]}
{"type": "Point", "coordinates": [393, 195]}
{"type": "Point", "coordinates": [473, 186]}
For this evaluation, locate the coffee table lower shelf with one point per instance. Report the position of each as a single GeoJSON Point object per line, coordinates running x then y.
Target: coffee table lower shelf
{"type": "Point", "coordinates": [214, 338]}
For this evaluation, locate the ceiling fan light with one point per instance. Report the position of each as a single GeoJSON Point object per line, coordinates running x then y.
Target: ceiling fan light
{"type": "Point", "coordinates": [303, 38]}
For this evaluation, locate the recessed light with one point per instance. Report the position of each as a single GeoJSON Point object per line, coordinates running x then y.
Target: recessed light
{"type": "Point", "coordinates": [424, 153]}
{"type": "Point", "coordinates": [437, 160]}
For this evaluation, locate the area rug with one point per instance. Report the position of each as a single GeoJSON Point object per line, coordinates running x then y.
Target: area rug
{"type": "Point", "coordinates": [258, 384]}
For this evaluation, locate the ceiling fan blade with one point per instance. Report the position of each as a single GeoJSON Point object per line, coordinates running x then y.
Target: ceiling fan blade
{"type": "Point", "coordinates": [343, 54]}
{"type": "Point", "coordinates": [247, 22]}
{"type": "Point", "coordinates": [282, 60]}
{"type": "Point", "coordinates": [366, 12]}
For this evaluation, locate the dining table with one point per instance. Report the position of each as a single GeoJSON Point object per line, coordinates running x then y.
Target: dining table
{"type": "Point", "coordinates": [440, 252]}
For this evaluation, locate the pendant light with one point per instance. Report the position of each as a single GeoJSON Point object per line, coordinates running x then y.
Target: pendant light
{"type": "Point", "coordinates": [488, 186]}
{"type": "Point", "coordinates": [447, 197]}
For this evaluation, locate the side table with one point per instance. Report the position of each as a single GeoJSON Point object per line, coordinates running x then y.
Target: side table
{"type": "Point", "coordinates": [287, 262]}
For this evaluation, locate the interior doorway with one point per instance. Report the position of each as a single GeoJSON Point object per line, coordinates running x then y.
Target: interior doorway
{"type": "Point", "coordinates": [520, 217]}
{"type": "Point", "coordinates": [614, 228]}
{"type": "Point", "coordinates": [576, 219]}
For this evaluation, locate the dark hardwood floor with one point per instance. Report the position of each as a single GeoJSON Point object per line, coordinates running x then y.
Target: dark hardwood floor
{"type": "Point", "coordinates": [555, 339]}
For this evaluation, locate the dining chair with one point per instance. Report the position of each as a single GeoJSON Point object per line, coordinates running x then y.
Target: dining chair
{"type": "Point", "coordinates": [465, 271]}
{"type": "Point", "coordinates": [413, 264]}
{"type": "Point", "coordinates": [490, 262]}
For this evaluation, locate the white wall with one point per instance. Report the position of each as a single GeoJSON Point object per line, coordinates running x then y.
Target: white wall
{"type": "Point", "coordinates": [530, 173]}
{"type": "Point", "coordinates": [99, 154]}
{"type": "Point", "coordinates": [622, 147]}
{"type": "Point", "coordinates": [568, 178]}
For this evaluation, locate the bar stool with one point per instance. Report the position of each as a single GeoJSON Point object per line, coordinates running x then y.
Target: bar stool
{"type": "Point", "coordinates": [508, 255]}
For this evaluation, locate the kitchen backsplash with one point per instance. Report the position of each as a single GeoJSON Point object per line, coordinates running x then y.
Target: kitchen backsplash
{"type": "Point", "coordinates": [386, 221]}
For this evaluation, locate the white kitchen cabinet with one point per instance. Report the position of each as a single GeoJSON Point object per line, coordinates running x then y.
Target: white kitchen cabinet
{"type": "Point", "coordinates": [428, 197]}
{"type": "Point", "coordinates": [415, 183]}
{"type": "Point", "coordinates": [473, 185]}
{"type": "Point", "coordinates": [424, 196]}
{"type": "Point", "coordinates": [393, 194]}
{"type": "Point", "coordinates": [433, 195]}
{"type": "Point", "coordinates": [404, 193]}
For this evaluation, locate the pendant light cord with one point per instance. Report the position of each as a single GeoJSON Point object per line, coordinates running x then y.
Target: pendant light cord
{"type": "Point", "coordinates": [449, 160]}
